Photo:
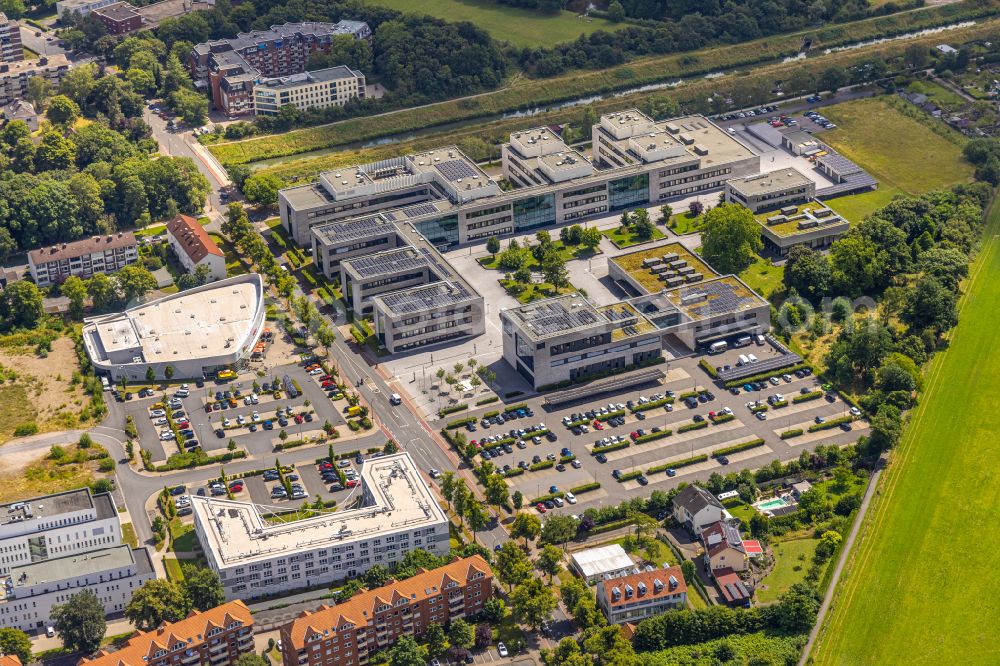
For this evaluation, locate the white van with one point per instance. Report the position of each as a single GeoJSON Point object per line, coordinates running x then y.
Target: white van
{"type": "Point", "coordinates": [744, 360]}
{"type": "Point", "coordinates": [105, 384]}
{"type": "Point", "coordinates": [718, 347]}
{"type": "Point", "coordinates": [752, 358]}
{"type": "Point", "coordinates": [742, 341]}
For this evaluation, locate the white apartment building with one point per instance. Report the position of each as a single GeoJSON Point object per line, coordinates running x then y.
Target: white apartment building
{"type": "Point", "coordinates": [83, 258]}
{"type": "Point", "coordinates": [256, 555]}
{"type": "Point", "coordinates": [81, 7]}
{"type": "Point", "coordinates": [317, 89]}
{"type": "Point", "coordinates": [54, 526]}
{"type": "Point", "coordinates": [14, 76]}
{"type": "Point", "coordinates": [32, 590]}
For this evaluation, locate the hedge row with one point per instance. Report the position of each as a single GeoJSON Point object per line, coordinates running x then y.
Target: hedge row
{"type": "Point", "coordinates": [652, 404]}
{"type": "Point", "coordinates": [580, 422]}
{"type": "Point", "coordinates": [708, 368]}
{"type": "Point", "coordinates": [545, 464]}
{"type": "Point", "coordinates": [684, 462]}
{"type": "Point", "coordinates": [514, 408]}
{"type": "Point", "coordinates": [585, 488]}
{"type": "Point", "coordinates": [610, 527]}
{"type": "Point", "coordinates": [189, 459]}
{"type": "Point", "coordinates": [545, 498]}
{"type": "Point", "coordinates": [779, 404]}
{"type": "Point", "coordinates": [758, 408]}
{"type": "Point", "coordinates": [806, 397]}
{"type": "Point", "coordinates": [689, 394]}
{"type": "Point", "coordinates": [629, 476]}
{"type": "Point", "coordinates": [693, 426]}
{"type": "Point", "coordinates": [832, 423]}
{"type": "Point", "coordinates": [445, 411]}
{"type": "Point", "coordinates": [767, 375]}
{"type": "Point", "coordinates": [652, 436]}
{"type": "Point", "coordinates": [566, 459]}
{"type": "Point", "coordinates": [490, 415]}
{"type": "Point", "coordinates": [611, 415]}
{"type": "Point", "coordinates": [788, 434]}
{"type": "Point", "coordinates": [487, 401]}
{"type": "Point", "coordinates": [514, 471]}
{"type": "Point", "coordinates": [613, 447]}
{"type": "Point", "coordinates": [736, 448]}
{"type": "Point", "coordinates": [460, 423]}
{"type": "Point", "coordinates": [722, 418]}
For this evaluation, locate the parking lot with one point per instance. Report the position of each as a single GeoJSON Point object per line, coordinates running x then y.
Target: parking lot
{"type": "Point", "coordinates": [683, 376]}
{"type": "Point", "coordinates": [205, 424]}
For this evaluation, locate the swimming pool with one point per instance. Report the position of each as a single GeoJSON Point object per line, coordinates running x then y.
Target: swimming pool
{"type": "Point", "coordinates": [772, 504]}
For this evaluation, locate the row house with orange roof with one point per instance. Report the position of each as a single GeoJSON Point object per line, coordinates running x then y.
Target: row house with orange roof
{"type": "Point", "coordinates": [346, 634]}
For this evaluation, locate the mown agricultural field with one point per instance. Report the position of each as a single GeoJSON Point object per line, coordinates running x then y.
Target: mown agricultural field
{"type": "Point", "coordinates": [920, 586]}
{"type": "Point", "coordinates": [520, 27]}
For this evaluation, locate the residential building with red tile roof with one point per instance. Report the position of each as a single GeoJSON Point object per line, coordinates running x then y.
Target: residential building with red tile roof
{"type": "Point", "coordinates": [734, 590]}
{"type": "Point", "coordinates": [346, 634]}
{"type": "Point", "coordinates": [723, 547]}
{"type": "Point", "coordinates": [216, 637]}
{"type": "Point", "coordinates": [637, 596]}
{"type": "Point", "coordinates": [9, 660]}
{"type": "Point", "coordinates": [194, 247]}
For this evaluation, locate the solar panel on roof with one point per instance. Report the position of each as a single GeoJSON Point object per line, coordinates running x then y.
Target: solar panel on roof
{"type": "Point", "coordinates": [454, 170]}
{"type": "Point", "coordinates": [419, 209]}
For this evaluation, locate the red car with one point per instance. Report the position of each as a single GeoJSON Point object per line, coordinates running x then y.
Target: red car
{"type": "Point", "coordinates": [540, 507]}
{"type": "Point", "coordinates": [598, 425]}
{"type": "Point", "coordinates": [325, 465]}
{"type": "Point", "coordinates": [325, 378]}
{"type": "Point", "coordinates": [634, 435]}
{"type": "Point", "coordinates": [351, 483]}
{"type": "Point", "coordinates": [236, 486]}
{"type": "Point", "coordinates": [298, 418]}
{"type": "Point", "coordinates": [208, 407]}
{"type": "Point", "coordinates": [328, 384]}
{"type": "Point", "coordinates": [182, 424]}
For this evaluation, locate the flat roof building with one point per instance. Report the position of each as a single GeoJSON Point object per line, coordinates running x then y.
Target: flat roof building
{"type": "Point", "coordinates": [81, 7]}
{"type": "Point", "coordinates": [14, 76]}
{"type": "Point", "coordinates": [602, 563]}
{"type": "Point", "coordinates": [774, 189]}
{"type": "Point", "coordinates": [255, 556]}
{"type": "Point", "coordinates": [316, 89]}
{"type": "Point", "coordinates": [450, 201]}
{"type": "Point", "coordinates": [120, 18]}
{"type": "Point", "coordinates": [10, 40]}
{"type": "Point", "coordinates": [195, 332]}
{"type": "Point", "coordinates": [391, 272]}
{"type": "Point", "coordinates": [635, 597]}
{"type": "Point", "coordinates": [811, 223]}
{"type": "Point", "coordinates": [370, 621]}
{"type": "Point", "coordinates": [217, 636]}
{"type": "Point", "coordinates": [32, 590]}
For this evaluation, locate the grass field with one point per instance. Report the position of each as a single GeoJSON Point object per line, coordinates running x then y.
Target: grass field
{"type": "Point", "coordinates": [567, 252]}
{"type": "Point", "coordinates": [895, 147]}
{"type": "Point", "coordinates": [534, 291]}
{"type": "Point", "coordinates": [685, 223]}
{"type": "Point", "coordinates": [763, 277]}
{"type": "Point", "coordinates": [627, 238]}
{"type": "Point", "coordinates": [173, 568]}
{"type": "Point", "coordinates": [854, 207]}
{"type": "Point", "coordinates": [918, 589]}
{"type": "Point", "coordinates": [129, 536]}
{"type": "Point", "coordinates": [520, 27]}
{"type": "Point", "coordinates": [792, 560]}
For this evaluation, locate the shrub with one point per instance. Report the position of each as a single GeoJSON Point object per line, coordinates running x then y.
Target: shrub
{"type": "Point", "coordinates": [832, 423]}
{"type": "Point", "coordinates": [759, 408]}
{"type": "Point", "coordinates": [105, 464]}
{"type": "Point", "coordinates": [693, 426]}
{"type": "Point", "coordinates": [708, 368]}
{"type": "Point", "coordinates": [444, 411]}
{"type": "Point", "coordinates": [652, 436]}
{"type": "Point", "coordinates": [545, 464]}
{"type": "Point", "coordinates": [514, 408]}
{"type": "Point", "coordinates": [736, 448]}
{"type": "Point", "coordinates": [652, 404]}
{"type": "Point", "coordinates": [546, 498]}
{"type": "Point", "coordinates": [788, 434]}
{"type": "Point", "coordinates": [197, 458]}
{"type": "Point", "coordinates": [722, 418]}
{"type": "Point", "coordinates": [460, 423]}
{"type": "Point", "coordinates": [514, 471]}
{"type": "Point", "coordinates": [629, 476]}
{"type": "Point", "coordinates": [614, 447]}
{"type": "Point", "coordinates": [585, 488]}
{"type": "Point", "coordinates": [806, 397]}
{"type": "Point", "coordinates": [779, 404]}
{"type": "Point", "coordinates": [490, 415]}
{"type": "Point", "coordinates": [487, 400]}
{"type": "Point", "coordinates": [675, 464]}
{"type": "Point", "coordinates": [24, 429]}
{"type": "Point", "coordinates": [611, 415]}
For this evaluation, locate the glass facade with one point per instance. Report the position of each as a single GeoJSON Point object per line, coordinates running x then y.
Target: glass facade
{"type": "Point", "coordinates": [628, 192]}
{"type": "Point", "coordinates": [441, 232]}
{"type": "Point", "coordinates": [533, 212]}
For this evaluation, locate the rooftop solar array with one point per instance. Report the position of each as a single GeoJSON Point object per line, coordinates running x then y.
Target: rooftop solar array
{"type": "Point", "coordinates": [352, 230]}
{"type": "Point", "coordinates": [454, 170]}
{"type": "Point", "coordinates": [557, 315]}
{"type": "Point", "coordinates": [420, 210]}
{"type": "Point", "coordinates": [418, 299]}
{"type": "Point", "coordinates": [385, 263]}
{"type": "Point", "coordinates": [851, 183]}
{"type": "Point", "coordinates": [839, 164]}
{"type": "Point", "coordinates": [615, 384]}
{"type": "Point", "coordinates": [712, 298]}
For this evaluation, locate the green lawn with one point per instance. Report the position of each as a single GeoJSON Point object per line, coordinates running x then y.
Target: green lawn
{"type": "Point", "coordinates": [520, 27]}
{"type": "Point", "coordinates": [626, 238]}
{"type": "Point", "coordinates": [685, 223]}
{"type": "Point", "coordinates": [744, 512]}
{"type": "Point", "coordinates": [662, 555]}
{"type": "Point", "coordinates": [920, 585]}
{"type": "Point", "coordinates": [937, 93]}
{"type": "Point", "coordinates": [182, 537]}
{"type": "Point", "coordinates": [533, 292]}
{"type": "Point", "coordinates": [233, 264]}
{"type": "Point", "coordinates": [855, 207]}
{"type": "Point", "coordinates": [763, 277]}
{"type": "Point", "coordinates": [792, 560]}
{"type": "Point", "coordinates": [895, 147]}
{"type": "Point", "coordinates": [567, 252]}
{"type": "Point", "coordinates": [129, 536]}
{"type": "Point", "coordinates": [173, 568]}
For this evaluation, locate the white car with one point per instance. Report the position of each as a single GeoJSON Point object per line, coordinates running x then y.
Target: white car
{"type": "Point", "coordinates": [774, 381]}
{"type": "Point", "coordinates": [855, 411]}
{"type": "Point", "coordinates": [255, 417]}
{"type": "Point", "coordinates": [226, 423]}
{"type": "Point", "coordinates": [240, 420]}
{"type": "Point", "coordinates": [153, 413]}
{"type": "Point", "coordinates": [727, 410]}
{"type": "Point", "coordinates": [570, 497]}
{"type": "Point", "coordinates": [502, 649]}
{"type": "Point", "coordinates": [576, 465]}
{"type": "Point", "coordinates": [254, 399]}
{"type": "Point", "coordinates": [160, 421]}
{"type": "Point", "coordinates": [166, 435]}
{"type": "Point", "coordinates": [316, 371]}
{"type": "Point", "coordinates": [557, 501]}
{"type": "Point", "coordinates": [246, 400]}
